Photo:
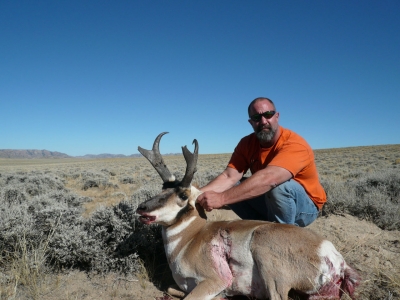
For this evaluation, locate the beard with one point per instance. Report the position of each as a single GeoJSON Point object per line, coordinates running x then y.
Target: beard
{"type": "Point", "coordinates": [265, 136]}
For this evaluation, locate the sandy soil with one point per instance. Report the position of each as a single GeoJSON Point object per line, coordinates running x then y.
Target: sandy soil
{"type": "Point", "coordinates": [374, 252]}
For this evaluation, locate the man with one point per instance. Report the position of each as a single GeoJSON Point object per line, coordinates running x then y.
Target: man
{"type": "Point", "coordinates": [284, 186]}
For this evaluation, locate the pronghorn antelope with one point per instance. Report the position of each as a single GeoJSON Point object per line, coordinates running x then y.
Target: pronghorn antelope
{"type": "Point", "coordinates": [257, 259]}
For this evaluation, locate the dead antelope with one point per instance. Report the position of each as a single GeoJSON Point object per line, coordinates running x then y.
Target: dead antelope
{"type": "Point", "coordinates": [253, 258]}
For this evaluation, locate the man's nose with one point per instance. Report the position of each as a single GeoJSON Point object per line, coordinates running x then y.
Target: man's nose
{"type": "Point", "coordinates": [264, 120]}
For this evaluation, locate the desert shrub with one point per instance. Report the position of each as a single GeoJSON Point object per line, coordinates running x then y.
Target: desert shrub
{"type": "Point", "coordinates": [20, 187]}
{"type": "Point", "coordinates": [22, 214]}
{"type": "Point", "coordinates": [109, 226]}
{"type": "Point", "coordinates": [339, 196]}
{"type": "Point", "coordinates": [99, 183]}
{"type": "Point", "coordinates": [19, 210]}
{"type": "Point", "coordinates": [42, 182]}
{"type": "Point", "coordinates": [146, 191]}
{"type": "Point", "coordinates": [127, 180]}
{"type": "Point", "coordinates": [373, 196]}
{"type": "Point", "coordinates": [353, 174]}
{"type": "Point", "coordinates": [106, 171]}
{"type": "Point", "coordinates": [70, 175]}
{"type": "Point", "coordinates": [385, 182]}
{"type": "Point", "coordinates": [12, 195]}
{"type": "Point", "coordinates": [15, 221]}
{"type": "Point", "coordinates": [48, 213]}
{"type": "Point", "coordinates": [71, 199]}
{"type": "Point", "coordinates": [202, 178]}
{"type": "Point", "coordinates": [90, 184]}
{"type": "Point", "coordinates": [140, 180]}
{"type": "Point", "coordinates": [95, 180]}
{"type": "Point", "coordinates": [110, 240]}
{"type": "Point", "coordinates": [73, 247]}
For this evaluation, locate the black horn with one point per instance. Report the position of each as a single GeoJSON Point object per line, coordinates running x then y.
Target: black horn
{"type": "Point", "coordinates": [191, 162]}
{"type": "Point", "coordinates": [156, 160]}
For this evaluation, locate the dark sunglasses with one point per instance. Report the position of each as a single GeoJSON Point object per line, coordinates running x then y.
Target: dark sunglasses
{"type": "Point", "coordinates": [267, 114]}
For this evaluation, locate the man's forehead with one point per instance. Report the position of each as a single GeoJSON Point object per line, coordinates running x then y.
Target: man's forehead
{"type": "Point", "coordinates": [261, 104]}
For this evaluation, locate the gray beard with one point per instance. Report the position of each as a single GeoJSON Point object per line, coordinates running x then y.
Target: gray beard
{"type": "Point", "coordinates": [264, 136]}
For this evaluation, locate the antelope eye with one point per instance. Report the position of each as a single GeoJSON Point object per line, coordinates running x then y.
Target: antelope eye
{"type": "Point", "coordinates": [183, 196]}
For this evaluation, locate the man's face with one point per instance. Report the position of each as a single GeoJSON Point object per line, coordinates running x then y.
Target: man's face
{"type": "Point", "coordinates": [265, 129]}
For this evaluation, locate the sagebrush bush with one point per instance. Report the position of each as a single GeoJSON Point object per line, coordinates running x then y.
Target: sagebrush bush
{"type": "Point", "coordinates": [110, 240]}
{"type": "Point", "coordinates": [15, 221]}
{"type": "Point", "coordinates": [372, 196]}
{"type": "Point", "coordinates": [13, 195]}
{"type": "Point", "coordinates": [42, 182]}
{"type": "Point", "coordinates": [127, 180]}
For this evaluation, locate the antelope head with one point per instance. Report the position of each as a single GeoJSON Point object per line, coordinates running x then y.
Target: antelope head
{"type": "Point", "coordinates": [177, 197]}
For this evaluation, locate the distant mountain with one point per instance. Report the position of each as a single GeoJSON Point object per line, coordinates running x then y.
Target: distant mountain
{"type": "Point", "coordinates": [10, 153]}
{"type": "Point", "coordinates": [107, 155]}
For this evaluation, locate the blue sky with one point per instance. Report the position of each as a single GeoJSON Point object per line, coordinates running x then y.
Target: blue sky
{"type": "Point", "coordinates": [91, 77]}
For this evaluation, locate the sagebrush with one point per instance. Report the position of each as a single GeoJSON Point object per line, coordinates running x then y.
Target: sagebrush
{"type": "Point", "coordinates": [80, 214]}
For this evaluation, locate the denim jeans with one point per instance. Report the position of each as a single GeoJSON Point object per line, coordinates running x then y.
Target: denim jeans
{"type": "Point", "coordinates": [287, 203]}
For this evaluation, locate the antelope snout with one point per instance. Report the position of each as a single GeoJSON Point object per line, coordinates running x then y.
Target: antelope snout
{"type": "Point", "coordinates": [145, 217]}
{"type": "Point", "coordinates": [141, 208]}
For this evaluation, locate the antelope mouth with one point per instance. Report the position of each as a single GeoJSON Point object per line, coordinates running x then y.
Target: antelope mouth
{"type": "Point", "coordinates": [147, 219]}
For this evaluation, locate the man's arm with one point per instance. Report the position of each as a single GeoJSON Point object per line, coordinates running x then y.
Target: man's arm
{"type": "Point", "coordinates": [256, 185]}
{"type": "Point", "coordinates": [227, 179]}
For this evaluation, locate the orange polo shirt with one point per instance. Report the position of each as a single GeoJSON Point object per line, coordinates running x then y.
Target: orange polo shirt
{"type": "Point", "coordinates": [291, 152]}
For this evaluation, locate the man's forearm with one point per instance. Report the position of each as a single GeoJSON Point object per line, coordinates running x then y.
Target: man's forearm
{"type": "Point", "coordinates": [257, 184]}
{"type": "Point", "coordinates": [223, 190]}
{"type": "Point", "coordinates": [248, 189]}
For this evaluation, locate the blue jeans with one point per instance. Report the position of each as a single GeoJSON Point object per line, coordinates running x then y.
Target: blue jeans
{"type": "Point", "coordinates": [287, 203]}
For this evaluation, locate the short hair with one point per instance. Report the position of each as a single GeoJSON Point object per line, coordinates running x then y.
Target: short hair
{"type": "Point", "coordinates": [259, 99]}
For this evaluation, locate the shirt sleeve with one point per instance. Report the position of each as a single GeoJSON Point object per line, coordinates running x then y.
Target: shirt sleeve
{"type": "Point", "coordinates": [239, 159]}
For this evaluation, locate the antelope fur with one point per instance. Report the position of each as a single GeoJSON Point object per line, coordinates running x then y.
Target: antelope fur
{"type": "Point", "coordinates": [243, 257]}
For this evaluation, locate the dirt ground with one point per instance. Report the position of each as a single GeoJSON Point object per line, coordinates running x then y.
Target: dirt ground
{"type": "Point", "coordinates": [375, 253]}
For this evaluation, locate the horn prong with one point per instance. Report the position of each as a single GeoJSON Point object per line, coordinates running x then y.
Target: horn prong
{"type": "Point", "coordinates": [156, 160]}
{"type": "Point", "coordinates": [191, 163]}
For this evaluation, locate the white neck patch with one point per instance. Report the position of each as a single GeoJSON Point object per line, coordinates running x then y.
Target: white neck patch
{"type": "Point", "coordinates": [169, 233]}
{"type": "Point", "coordinates": [179, 228]}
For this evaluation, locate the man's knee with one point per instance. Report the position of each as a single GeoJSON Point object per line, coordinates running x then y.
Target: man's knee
{"type": "Point", "coordinates": [282, 194]}
{"type": "Point", "coordinates": [290, 189]}
{"type": "Point", "coordinates": [289, 203]}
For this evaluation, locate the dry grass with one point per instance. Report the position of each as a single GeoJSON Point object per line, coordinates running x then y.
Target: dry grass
{"type": "Point", "coordinates": [26, 267]}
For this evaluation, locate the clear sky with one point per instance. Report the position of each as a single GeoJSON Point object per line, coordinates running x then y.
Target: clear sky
{"type": "Point", "coordinates": [91, 77]}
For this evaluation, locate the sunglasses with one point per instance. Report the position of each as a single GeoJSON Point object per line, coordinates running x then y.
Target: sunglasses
{"type": "Point", "coordinates": [267, 114]}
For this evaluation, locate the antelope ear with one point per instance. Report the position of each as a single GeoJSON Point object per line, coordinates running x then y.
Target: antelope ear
{"type": "Point", "coordinates": [201, 211]}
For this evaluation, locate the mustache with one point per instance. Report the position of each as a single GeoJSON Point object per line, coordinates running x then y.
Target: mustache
{"type": "Point", "coordinates": [261, 127]}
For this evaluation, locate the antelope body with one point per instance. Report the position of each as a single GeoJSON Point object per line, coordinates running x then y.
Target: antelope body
{"type": "Point", "coordinates": [243, 257]}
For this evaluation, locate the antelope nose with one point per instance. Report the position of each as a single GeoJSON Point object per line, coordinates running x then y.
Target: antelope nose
{"type": "Point", "coordinates": [141, 207]}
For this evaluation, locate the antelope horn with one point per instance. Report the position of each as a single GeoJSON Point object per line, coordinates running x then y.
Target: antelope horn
{"type": "Point", "coordinates": [156, 160]}
{"type": "Point", "coordinates": [191, 162]}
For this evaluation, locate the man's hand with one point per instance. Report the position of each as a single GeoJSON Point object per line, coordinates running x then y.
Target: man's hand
{"type": "Point", "coordinates": [210, 200]}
